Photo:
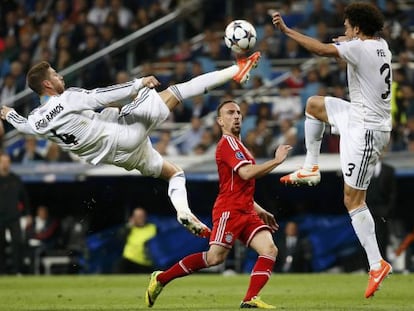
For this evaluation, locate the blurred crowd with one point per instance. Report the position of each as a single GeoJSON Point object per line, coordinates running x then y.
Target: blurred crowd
{"type": "Point", "coordinates": [64, 32]}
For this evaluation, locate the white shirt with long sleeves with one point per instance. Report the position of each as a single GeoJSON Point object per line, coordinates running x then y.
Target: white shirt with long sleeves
{"type": "Point", "coordinates": [72, 121]}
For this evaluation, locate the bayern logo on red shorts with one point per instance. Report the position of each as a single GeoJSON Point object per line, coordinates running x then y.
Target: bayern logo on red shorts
{"type": "Point", "coordinates": [228, 237]}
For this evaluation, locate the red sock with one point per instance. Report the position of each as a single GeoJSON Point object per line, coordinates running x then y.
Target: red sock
{"type": "Point", "coordinates": [184, 267]}
{"type": "Point", "coordinates": [260, 275]}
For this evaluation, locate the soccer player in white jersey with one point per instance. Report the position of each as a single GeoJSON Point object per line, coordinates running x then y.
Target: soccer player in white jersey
{"type": "Point", "coordinates": [364, 123]}
{"type": "Point", "coordinates": [86, 123]}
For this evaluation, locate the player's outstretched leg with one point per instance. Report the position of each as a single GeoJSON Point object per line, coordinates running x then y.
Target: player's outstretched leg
{"type": "Point", "coordinates": [303, 176]}
{"type": "Point", "coordinates": [255, 303]}
{"type": "Point", "coordinates": [153, 290]}
{"type": "Point", "coordinates": [210, 80]}
{"type": "Point", "coordinates": [245, 65]}
{"type": "Point", "coordinates": [193, 224]}
{"type": "Point", "coordinates": [376, 277]}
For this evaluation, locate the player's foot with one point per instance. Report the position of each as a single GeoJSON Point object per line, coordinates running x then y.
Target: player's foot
{"type": "Point", "coordinates": [245, 65]}
{"type": "Point", "coordinates": [194, 225]}
{"type": "Point", "coordinates": [376, 277]}
{"type": "Point", "coordinates": [153, 290]}
{"type": "Point", "coordinates": [303, 177]}
{"type": "Point", "coordinates": [255, 303]}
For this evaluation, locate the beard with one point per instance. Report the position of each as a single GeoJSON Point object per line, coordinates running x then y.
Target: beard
{"type": "Point", "coordinates": [60, 88]}
{"type": "Point", "coordinates": [235, 130]}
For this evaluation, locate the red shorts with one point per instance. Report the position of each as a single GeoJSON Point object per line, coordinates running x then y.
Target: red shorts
{"type": "Point", "coordinates": [232, 225]}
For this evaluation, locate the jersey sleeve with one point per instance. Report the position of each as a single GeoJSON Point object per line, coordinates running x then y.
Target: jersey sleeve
{"type": "Point", "coordinates": [232, 155]}
{"type": "Point", "coordinates": [19, 123]}
{"type": "Point", "coordinates": [104, 97]}
{"type": "Point", "coordinates": [349, 51]}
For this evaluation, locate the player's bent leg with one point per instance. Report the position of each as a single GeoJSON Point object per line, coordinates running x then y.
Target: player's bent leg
{"type": "Point", "coordinates": [153, 290]}
{"type": "Point", "coordinates": [315, 107]}
{"type": "Point", "coordinates": [178, 194]}
{"type": "Point", "coordinates": [193, 224]}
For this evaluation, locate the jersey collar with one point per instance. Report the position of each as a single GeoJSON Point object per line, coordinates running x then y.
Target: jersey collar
{"type": "Point", "coordinates": [44, 99]}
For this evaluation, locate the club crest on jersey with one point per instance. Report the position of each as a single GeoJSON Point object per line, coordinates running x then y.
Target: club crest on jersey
{"type": "Point", "coordinates": [240, 155]}
{"type": "Point", "coordinates": [228, 237]}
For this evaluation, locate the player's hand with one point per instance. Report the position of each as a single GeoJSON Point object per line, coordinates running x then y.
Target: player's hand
{"type": "Point", "coordinates": [150, 82]}
{"type": "Point", "coordinates": [4, 111]}
{"type": "Point", "coordinates": [282, 152]}
{"type": "Point", "coordinates": [268, 219]}
{"type": "Point", "coordinates": [278, 21]}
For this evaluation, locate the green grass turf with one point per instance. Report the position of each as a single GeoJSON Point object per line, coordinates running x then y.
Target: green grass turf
{"type": "Point", "coordinates": [203, 292]}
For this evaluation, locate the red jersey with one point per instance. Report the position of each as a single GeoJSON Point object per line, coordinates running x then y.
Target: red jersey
{"type": "Point", "coordinates": [234, 193]}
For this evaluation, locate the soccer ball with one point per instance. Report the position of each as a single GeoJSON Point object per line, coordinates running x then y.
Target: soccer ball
{"type": "Point", "coordinates": [240, 36]}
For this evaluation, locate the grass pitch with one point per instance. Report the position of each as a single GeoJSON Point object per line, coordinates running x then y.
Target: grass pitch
{"type": "Point", "coordinates": [203, 292]}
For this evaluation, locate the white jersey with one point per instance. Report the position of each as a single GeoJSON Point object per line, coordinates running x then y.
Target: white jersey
{"type": "Point", "coordinates": [71, 120]}
{"type": "Point", "coordinates": [369, 82]}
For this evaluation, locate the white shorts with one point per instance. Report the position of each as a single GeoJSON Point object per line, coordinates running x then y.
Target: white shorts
{"type": "Point", "coordinates": [360, 148]}
{"type": "Point", "coordinates": [137, 119]}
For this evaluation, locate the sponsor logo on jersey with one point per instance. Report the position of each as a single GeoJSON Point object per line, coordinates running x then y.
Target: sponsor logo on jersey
{"type": "Point", "coordinates": [240, 155]}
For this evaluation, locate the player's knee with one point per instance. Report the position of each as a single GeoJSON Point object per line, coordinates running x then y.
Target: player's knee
{"type": "Point", "coordinates": [313, 105]}
{"type": "Point", "coordinates": [273, 251]}
{"type": "Point", "coordinates": [270, 250]}
{"type": "Point", "coordinates": [169, 98]}
{"type": "Point", "coordinates": [276, 251]}
{"type": "Point", "coordinates": [214, 259]}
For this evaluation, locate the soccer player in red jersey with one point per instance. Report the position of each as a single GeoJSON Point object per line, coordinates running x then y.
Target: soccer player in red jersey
{"type": "Point", "coordinates": [235, 214]}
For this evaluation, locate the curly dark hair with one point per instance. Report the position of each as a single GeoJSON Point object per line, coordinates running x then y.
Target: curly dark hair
{"type": "Point", "coordinates": [366, 16]}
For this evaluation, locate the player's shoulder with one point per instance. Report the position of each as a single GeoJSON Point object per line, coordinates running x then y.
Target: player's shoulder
{"type": "Point", "coordinates": [230, 141]}
{"type": "Point", "coordinates": [76, 90]}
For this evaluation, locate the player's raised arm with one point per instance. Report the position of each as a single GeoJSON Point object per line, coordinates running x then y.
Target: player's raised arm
{"type": "Point", "coordinates": [19, 122]}
{"type": "Point", "coordinates": [311, 44]}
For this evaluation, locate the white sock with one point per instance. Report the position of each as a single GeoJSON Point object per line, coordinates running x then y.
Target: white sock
{"type": "Point", "coordinates": [314, 130]}
{"type": "Point", "coordinates": [178, 193]}
{"type": "Point", "coordinates": [202, 84]}
{"type": "Point", "coordinates": [364, 227]}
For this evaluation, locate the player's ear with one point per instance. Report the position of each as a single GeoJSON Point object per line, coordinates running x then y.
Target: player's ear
{"type": "Point", "coordinates": [46, 84]}
{"type": "Point", "coordinates": [219, 121]}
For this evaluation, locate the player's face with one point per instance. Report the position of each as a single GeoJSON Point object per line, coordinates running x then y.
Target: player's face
{"type": "Point", "coordinates": [230, 119]}
{"type": "Point", "coordinates": [56, 81]}
{"type": "Point", "coordinates": [350, 32]}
